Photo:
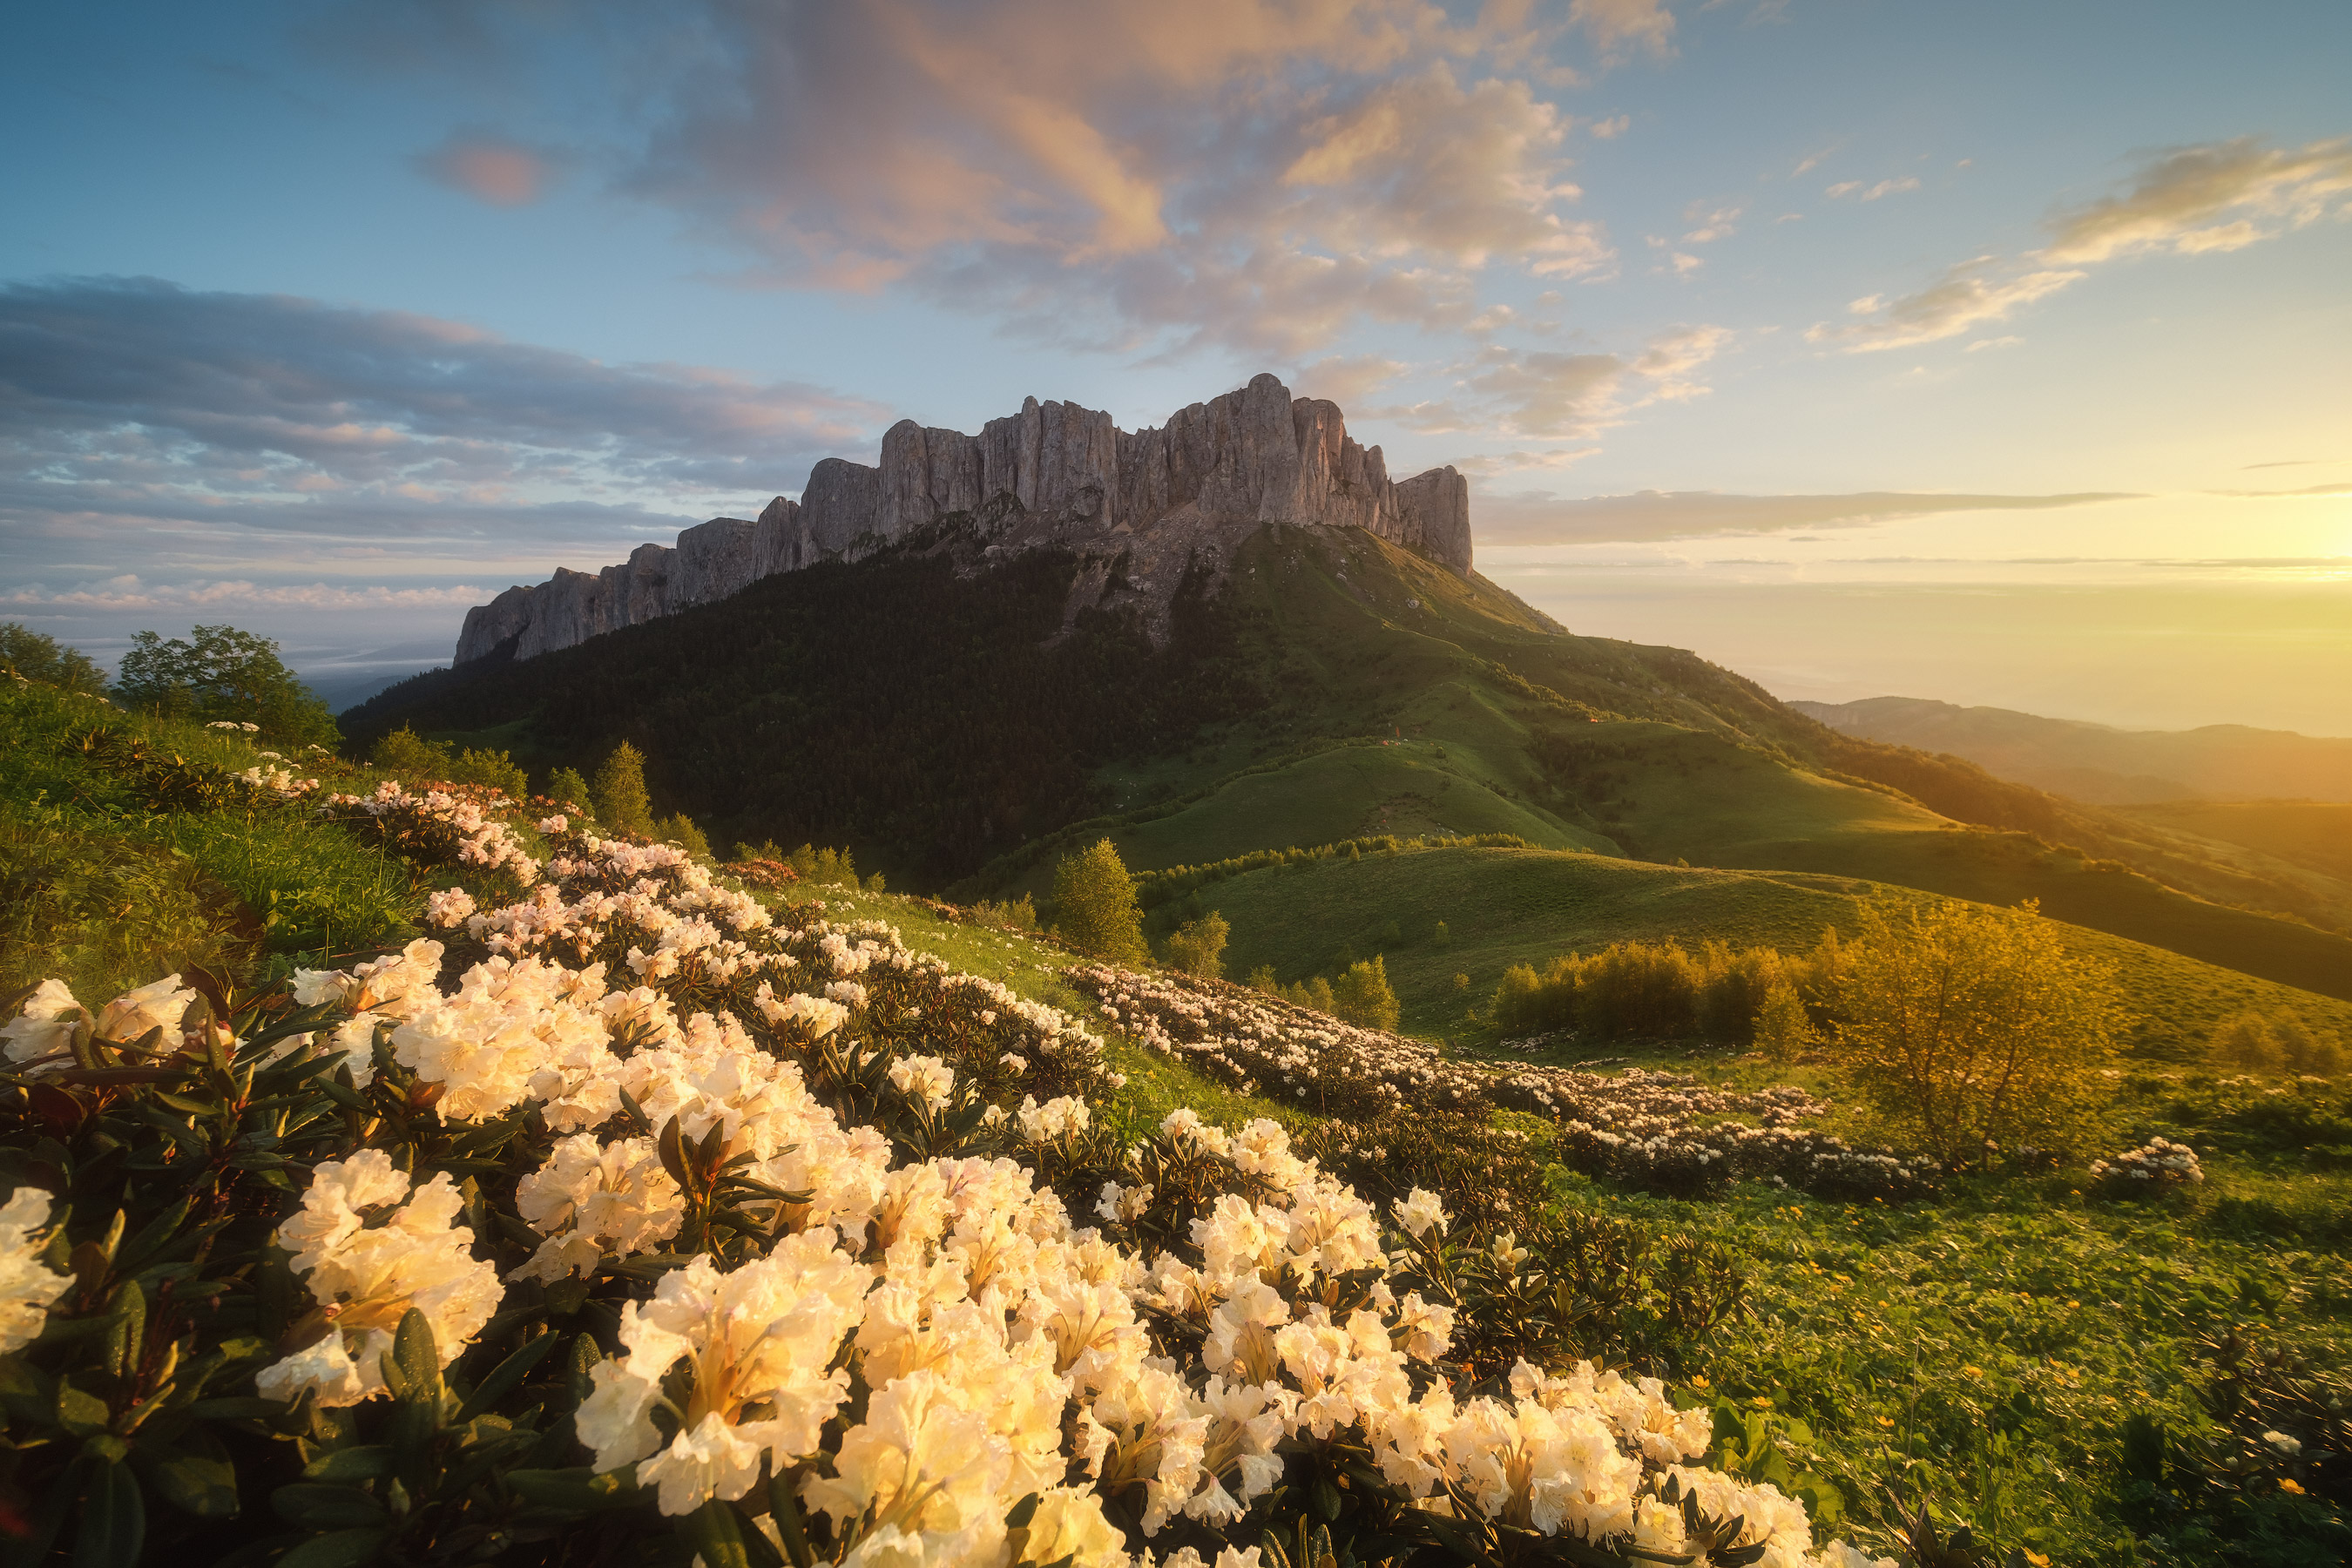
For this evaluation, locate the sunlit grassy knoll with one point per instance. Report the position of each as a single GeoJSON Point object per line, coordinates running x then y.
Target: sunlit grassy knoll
{"type": "Point", "coordinates": [1503, 907]}
{"type": "Point", "coordinates": [105, 893]}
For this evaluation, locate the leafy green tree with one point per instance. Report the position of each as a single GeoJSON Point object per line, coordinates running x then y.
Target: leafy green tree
{"type": "Point", "coordinates": [618, 797]}
{"type": "Point", "coordinates": [223, 675]}
{"type": "Point", "coordinates": [37, 655]}
{"type": "Point", "coordinates": [1973, 1029]}
{"type": "Point", "coordinates": [495, 769]}
{"type": "Point", "coordinates": [1197, 947]}
{"type": "Point", "coordinates": [1783, 1031]}
{"type": "Point", "coordinates": [1262, 979]}
{"type": "Point", "coordinates": [1362, 995]}
{"type": "Point", "coordinates": [566, 785]}
{"type": "Point", "coordinates": [1096, 898]}
{"type": "Point", "coordinates": [410, 757]}
{"type": "Point", "coordinates": [681, 831]}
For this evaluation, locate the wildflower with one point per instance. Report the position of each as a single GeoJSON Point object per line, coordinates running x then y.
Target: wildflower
{"type": "Point", "coordinates": [366, 1277]}
{"type": "Point", "coordinates": [1420, 1212]}
{"type": "Point", "coordinates": [760, 1339]}
{"type": "Point", "coordinates": [27, 1285]}
{"type": "Point", "coordinates": [2282, 1442]}
{"type": "Point", "coordinates": [44, 1025]}
{"type": "Point", "coordinates": [925, 1079]}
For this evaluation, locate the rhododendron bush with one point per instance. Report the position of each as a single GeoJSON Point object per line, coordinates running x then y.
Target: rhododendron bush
{"type": "Point", "coordinates": [632, 1221]}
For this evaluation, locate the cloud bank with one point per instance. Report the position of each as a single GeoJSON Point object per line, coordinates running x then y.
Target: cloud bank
{"type": "Point", "coordinates": [1651, 515]}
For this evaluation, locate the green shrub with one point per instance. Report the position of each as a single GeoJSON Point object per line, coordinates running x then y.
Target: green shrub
{"type": "Point", "coordinates": [618, 796]}
{"type": "Point", "coordinates": [1095, 899]}
{"type": "Point", "coordinates": [410, 757]}
{"type": "Point", "coordinates": [681, 831]}
{"type": "Point", "coordinates": [1972, 1030]}
{"type": "Point", "coordinates": [1262, 979]}
{"type": "Point", "coordinates": [565, 787]}
{"type": "Point", "coordinates": [1780, 1028]}
{"type": "Point", "coordinates": [1362, 995]}
{"type": "Point", "coordinates": [2282, 1041]}
{"type": "Point", "coordinates": [37, 655]}
{"type": "Point", "coordinates": [494, 770]}
{"type": "Point", "coordinates": [1197, 947]}
{"type": "Point", "coordinates": [1018, 914]}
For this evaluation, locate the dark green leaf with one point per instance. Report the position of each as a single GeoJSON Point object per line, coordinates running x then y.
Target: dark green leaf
{"type": "Point", "coordinates": [83, 1414]}
{"type": "Point", "coordinates": [509, 1372]}
{"type": "Point", "coordinates": [199, 1479]}
{"type": "Point", "coordinates": [343, 1549]}
{"type": "Point", "coordinates": [717, 1535]}
{"type": "Point", "coordinates": [113, 1520]}
{"type": "Point", "coordinates": [317, 1506]}
{"type": "Point", "coordinates": [364, 1463]}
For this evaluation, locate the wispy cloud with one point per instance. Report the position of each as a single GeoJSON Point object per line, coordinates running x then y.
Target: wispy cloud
{"type": "Point", "coordinates": [1871, 193]}
{"type": "Point", "coordinates": [1543, 519]}
{"type": "Point", "coordinates": [1534, 393]}
{"type": "Point", "coordinates": [2185, 201]}
{"type": "Point", "coordinates": [492, 168]}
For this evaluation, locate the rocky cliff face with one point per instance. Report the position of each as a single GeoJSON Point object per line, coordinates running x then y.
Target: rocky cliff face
{"type": "Point", "coordinates": [1147, 501]}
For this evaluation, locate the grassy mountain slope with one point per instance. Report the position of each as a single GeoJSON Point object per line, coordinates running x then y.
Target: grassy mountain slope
{"type": "Point", "coordinates": [1503, 907]}
{"type": "Point", "coordinates": [964, 738]}
{"type": "Point", "coordinates": [2100, 764]}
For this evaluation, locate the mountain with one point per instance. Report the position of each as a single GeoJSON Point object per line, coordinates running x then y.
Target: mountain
{"type": "Point", "coordinates": [1054, 475]}
{"type": "Point", "coordinates": [2107, 766]}
{"type": "Point", "coordinates": [957, 713]}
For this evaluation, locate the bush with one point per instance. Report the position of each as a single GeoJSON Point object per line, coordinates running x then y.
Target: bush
{"type": "Point", "coordinates": [1972, 1029]}
{"type": "Point", "coordinates": [1262, 979]}
{"type": "Point", "coordinates": [37, 655]}
{"type": "Point", "coordinates": [1782, 1030]}
{"type": "Point", "coordinates": [618, 796]}
{"type": "Point", "coordinates": [1096, 899]}
{"type": "Point", "coordinates": [492, 770]}
{"type": "Point", "coordinates": [566, 787]}
{"type": "Point", "coordinates": [2275, 1042]}
{"type": "Point", "coordinates": [1017, 914]}
{"type": "Point", "coordinates": [1362, 995]}
{"type": "Point", "coordinates": [224, 675]}
{"type": "Point", "coordinates": [1199, 946]}
{"type": "Point", "coordinates": [410, 757]}
{"type": "Point", "coordinates": [681, 831]}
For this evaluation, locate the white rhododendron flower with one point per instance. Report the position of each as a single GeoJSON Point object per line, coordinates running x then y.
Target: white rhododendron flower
{"type": "Point", "coordinates": [589, 1200]}
{"type": "Point", "coordinates": [44, 1025]}
{"type": "Point", "coordinates": [1420, 1212]}
{"type": "Point", "coordinates": [159, 1005]}
{"type": "Point", "coordinates": [926, 1078]}
{"type": "Point", "coordinates": [28, 1287]}
{"type": "Point", "coordinates": [761, 1340]}
{"type": "Point", "coordinates": [365, 1277]}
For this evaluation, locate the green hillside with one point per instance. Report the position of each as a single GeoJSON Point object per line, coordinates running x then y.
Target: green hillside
{"type": "Point", "coordinates": [1503, 907]}
{"type": "Point", "coordinates": [1335, 686]}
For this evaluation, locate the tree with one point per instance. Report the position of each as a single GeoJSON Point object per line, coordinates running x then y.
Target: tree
{"type": "Point", "coordinates": [410, 757]}
{"type": "Point", "coordinates": [1362, 995]}
{"type": "Point", "coordinates": [37, 655]}
{"type": "Point", "coordinates": [681, 831]}
{"type": "Point", "coordinates": [1262, 979]}
{"type": "Point", "coordinates": [1973, 1029]}
{"type": "Point", "coordinates": [1783, 1032]}
{"type": "Point", "coordinates": [1199, 946]}
{"type": "Point", "coordinates": [1096, 898]}
{"type": "Point", "coordinates": [618, 797]}
{"type": "Point", "coordinates": [224, 674]}
{"type": "Point", "coordinates": [566, 786]}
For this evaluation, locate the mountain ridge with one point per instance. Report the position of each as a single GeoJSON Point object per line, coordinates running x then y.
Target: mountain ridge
{"type": "Point", "coordinates": [1054, 473]}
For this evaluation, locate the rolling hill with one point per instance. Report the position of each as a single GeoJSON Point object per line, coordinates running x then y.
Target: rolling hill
{"type": "Point", "coordinates": [2104, 765]}
{"type": "Point", "coordinates": [933, 708]}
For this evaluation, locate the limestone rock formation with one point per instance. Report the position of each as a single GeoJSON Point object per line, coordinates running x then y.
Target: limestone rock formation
{"type": "Point", "coordinates": [1054, 473]}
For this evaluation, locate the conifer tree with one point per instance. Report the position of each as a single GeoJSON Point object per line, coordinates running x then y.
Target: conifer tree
{"type": "Point", "coordinates": [1099, 916]}
{"type": "Point", "coordinates": [566, 785]}
{"type": "Point", "coordinates": [620, 803]}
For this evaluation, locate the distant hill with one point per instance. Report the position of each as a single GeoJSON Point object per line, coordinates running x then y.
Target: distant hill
{"type": "Point", "coordinates": [2102, 765]}
{"type": "Point", "coordinates": [939, 708]}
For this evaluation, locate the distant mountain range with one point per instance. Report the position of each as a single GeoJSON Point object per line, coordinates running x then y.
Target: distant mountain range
{"type": "Point", "coordinates": [2102, 765]}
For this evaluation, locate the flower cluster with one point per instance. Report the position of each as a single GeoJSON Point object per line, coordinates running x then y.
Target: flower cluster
{"type": "Point", "coordinates": [276, 780]}
{"type": "Point", "coordinates": [1664, 1131]}
{"type": "Point", "coordinates": [447, 826]}
{"type": "Point", "coordinates": [2159, 1163]}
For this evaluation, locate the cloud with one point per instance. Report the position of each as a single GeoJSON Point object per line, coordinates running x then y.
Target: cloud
{"type": "Point", "coordinates": [215, 436]}
{"type": "Point", "coordinates": [2180, 196]}
{"type": "Point", "coordinates": [1893, 187]}
{"type": "Point", "coordinates": [128, 592]}
{"type": "Point", "coordinates": [2185, 201]}
{"type": "Point", "coordinates": [1559, 395]}
{"type": "Point", "coordinates": [1611, 129]}
{"type": "Point", "coordinates": [2345, 490]}
{"type": "Point", "coordinates": [1649, 515]}
{"type": "Point", "coordinates": [1120, 174]}
{"type": "Point", "coordinates": [1720, 223]}
{"type": "Point", "coordinates": [491, 169]}
{"type": "Point", "coordinates": [1972, 294]}
{"type": "Point", "coordinates": [1983, 343]}
{"type": "Point", "coordinates": [1348, 380]}
{"type": "Point", "coordinates": [1618, 28]}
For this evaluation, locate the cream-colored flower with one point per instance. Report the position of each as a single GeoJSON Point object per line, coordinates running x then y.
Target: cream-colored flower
{"type": "Point", "coordinates": [28, 1288]}
{"type": "Point", "coordinates": [44, 1025]}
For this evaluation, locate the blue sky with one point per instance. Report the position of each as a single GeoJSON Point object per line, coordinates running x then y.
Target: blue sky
{"type": "Point", "coordinates": [329, 320]}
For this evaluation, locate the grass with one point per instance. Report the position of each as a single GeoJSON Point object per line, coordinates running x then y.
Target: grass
{"type": "Point", "coordinates": [1503, 907]}
{"type": "Point", "coordinates": [104, 894]}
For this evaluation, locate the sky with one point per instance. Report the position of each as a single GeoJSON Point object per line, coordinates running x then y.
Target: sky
{"type": "Point", "coordinates": [1994, 354]}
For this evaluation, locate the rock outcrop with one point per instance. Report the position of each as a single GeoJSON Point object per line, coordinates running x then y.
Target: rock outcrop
{"type": "Point", "coordinates": [1053, 473]}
